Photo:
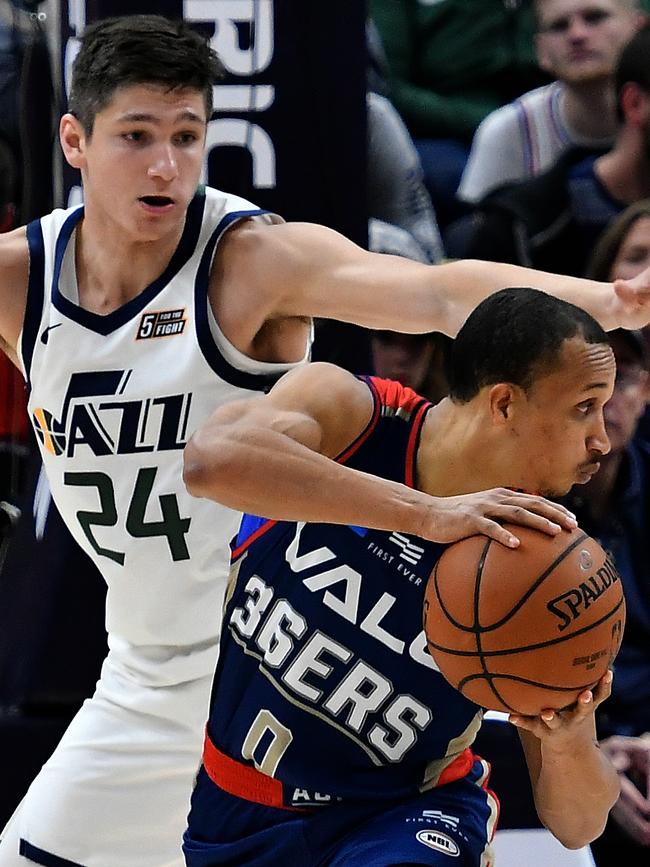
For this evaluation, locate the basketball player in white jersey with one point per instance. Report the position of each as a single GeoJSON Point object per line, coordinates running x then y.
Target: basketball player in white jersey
{"type": "Point", "coordinates": [132, 319]}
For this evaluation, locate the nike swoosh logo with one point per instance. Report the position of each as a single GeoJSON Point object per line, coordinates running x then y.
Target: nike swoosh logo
{"type": "Point", "coordinates": [46, 334]}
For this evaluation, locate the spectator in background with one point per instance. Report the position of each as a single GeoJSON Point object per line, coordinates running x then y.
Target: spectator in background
{"type": "Point", "coordinates": [614, 507]}
{"type": "Point", "coordinates": [414, 360]}
{"type": "Point", "coordinates": [13, 402]}
{"type": "Point", "coordinates": [552, 221]}
{"type": "Point", "coordinates": [452, 62]}
{"type": "Point", "coordinates": [8, 191]}
{"type": "Point", "coordinates": [623, 251]}
{"type": "Point", "coordinates": [401, 222]}
{"type": "Point", "coordinates": [578, 43]}
{"type": "Point", "coordinates": [402, 219]}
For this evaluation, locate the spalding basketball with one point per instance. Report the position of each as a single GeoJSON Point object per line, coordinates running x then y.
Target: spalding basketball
{"type": "Point", "coordinates": [528, 628]}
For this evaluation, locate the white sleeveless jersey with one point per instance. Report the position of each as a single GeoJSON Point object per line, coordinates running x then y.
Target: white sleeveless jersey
{"type": "Point", "coordinates": [113, 400]}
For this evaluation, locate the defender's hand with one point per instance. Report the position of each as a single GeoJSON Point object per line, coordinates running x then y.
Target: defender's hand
{"type": "Point", "coordinates": [454, 518]}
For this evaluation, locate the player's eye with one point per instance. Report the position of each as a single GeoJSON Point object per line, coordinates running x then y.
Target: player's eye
{"type": "Point", "coordinates": [586, 407]}
{"type": "Point", "coordinates": [137, 136]}
{"type": "Point", "coordinates": [186, 138]}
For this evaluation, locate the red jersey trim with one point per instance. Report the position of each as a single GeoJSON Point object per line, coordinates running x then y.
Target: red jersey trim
{"type": "Point", "coordinates": [239, 550]}
{"type": "Point", "coordinates": [414, 439]}
{"type": "Point", "coordinates": [393, 395]}
{"type": "Point", "coordinates": [356, 444]}
{"type": "Point", "coordinates": [243, 781]}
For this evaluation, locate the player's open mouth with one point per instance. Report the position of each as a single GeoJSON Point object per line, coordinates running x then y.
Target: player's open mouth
{"type": "Point", "coordinates": [157, 203]}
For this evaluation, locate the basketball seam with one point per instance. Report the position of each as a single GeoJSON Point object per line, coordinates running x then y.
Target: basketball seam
{"type": "Point", "coordinates": [487, 674]}
{"type": "Point", "coordinates": [525, 680]}
{"type": "Point", "coordinates": [537, 583]}
{"type": "Point", "coordinates": [464, 628]}
{"type": "Point", "coordinates": [526, 647]}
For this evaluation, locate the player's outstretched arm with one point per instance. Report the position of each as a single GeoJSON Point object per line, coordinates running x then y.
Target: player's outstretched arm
{"type": "Point", "coordinates": [574, 783]}
{"type": "Point", "coordinates": [273, 456]}
{"type": "Point", "coordinates": [14, 274]}
{"type": "Point", "coordinates": [299, 269]}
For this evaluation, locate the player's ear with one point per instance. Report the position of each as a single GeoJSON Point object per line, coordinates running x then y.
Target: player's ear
{"type": "Point", "coordinates": [501, 399]}
{"type": "Point", "coordinates": [73, 140]}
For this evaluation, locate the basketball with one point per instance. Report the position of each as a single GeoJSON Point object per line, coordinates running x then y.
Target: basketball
{"type": "Point", "coordinates": [523, 629]}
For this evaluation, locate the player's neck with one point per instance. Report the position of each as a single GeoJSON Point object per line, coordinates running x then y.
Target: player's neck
{"type": "Point", "coordinates": [455, 455]}
{"type": "Point", "coordinates": [112, 268]}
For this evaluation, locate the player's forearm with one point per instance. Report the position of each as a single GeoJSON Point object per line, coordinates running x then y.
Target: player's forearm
{"type": "Point", "coordinates": [574, 792]}
{"type": "Point", "coordinates": [467, 282]}
{"type": "Point", "coordinates": [269, 474]}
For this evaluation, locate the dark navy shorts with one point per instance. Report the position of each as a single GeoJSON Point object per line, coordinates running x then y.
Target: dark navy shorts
{"type": "Point", "coordinates": [447, 827]}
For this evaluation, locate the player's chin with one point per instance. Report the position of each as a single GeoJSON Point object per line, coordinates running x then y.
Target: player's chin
{"type": "Point", "coordinates": [556, 489]}
{"type": "Point", "coordinates": [150, 229]}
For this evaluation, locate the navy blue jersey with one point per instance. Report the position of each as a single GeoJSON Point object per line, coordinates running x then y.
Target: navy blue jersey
{"type": "Point", "coordinates": [324, 680]}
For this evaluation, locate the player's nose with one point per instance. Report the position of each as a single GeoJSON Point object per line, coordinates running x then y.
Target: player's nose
{"type": "Point", "coordinates": [598, 440]}
{"type": "Point", "coordinates": [164, 164]}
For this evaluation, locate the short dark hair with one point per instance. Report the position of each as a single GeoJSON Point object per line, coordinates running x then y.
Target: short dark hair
{"type": "Point", "coordinates": [139, 49]}
{"type": "Point", "coordinates": [514, 336]}
{"type": "Point", "coordinates": [633, 66]}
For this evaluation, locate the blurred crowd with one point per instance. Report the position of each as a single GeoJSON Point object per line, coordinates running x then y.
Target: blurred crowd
{"type": "Point", "coordinates": [514, 131]}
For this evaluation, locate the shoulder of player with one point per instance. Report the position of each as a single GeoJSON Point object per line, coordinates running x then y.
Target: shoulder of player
{"type": "Point", "coordinates": [14, 276]}
{"type": "Point", "coordinates": [276, 250]}
{"type": "Point", "coordinates": [14, 252]}
{"type": "Point", "coordinates": [321, 382]}
{"type": "Point", "coordinates": [340, 402]}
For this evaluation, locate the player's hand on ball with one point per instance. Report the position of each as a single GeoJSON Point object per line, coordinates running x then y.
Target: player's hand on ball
{"type": "Point", "coordinates": [561, 728]}
{"type": "Point", "coordinates": [454, 518]}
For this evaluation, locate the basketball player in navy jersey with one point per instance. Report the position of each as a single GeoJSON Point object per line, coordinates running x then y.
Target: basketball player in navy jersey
{"type": "Point", "coordinates": [332, 739]}
{"type": "Point", "coordinates": [132, 319]}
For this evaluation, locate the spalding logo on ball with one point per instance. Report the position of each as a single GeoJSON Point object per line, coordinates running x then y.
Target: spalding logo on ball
{"type": "Point", "coordinates": [520, 630]}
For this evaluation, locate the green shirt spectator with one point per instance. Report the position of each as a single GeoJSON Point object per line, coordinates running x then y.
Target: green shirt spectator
{"type": "Point", "coordinates": [454, 61]}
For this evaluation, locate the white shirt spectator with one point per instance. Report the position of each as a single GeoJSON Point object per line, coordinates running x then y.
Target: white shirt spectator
{"type": "Point", "coordinates": [520, 140]}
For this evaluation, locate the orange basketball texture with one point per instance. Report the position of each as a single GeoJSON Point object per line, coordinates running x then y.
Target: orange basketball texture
{"type": "Point", "coordinates": [520, 630]}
